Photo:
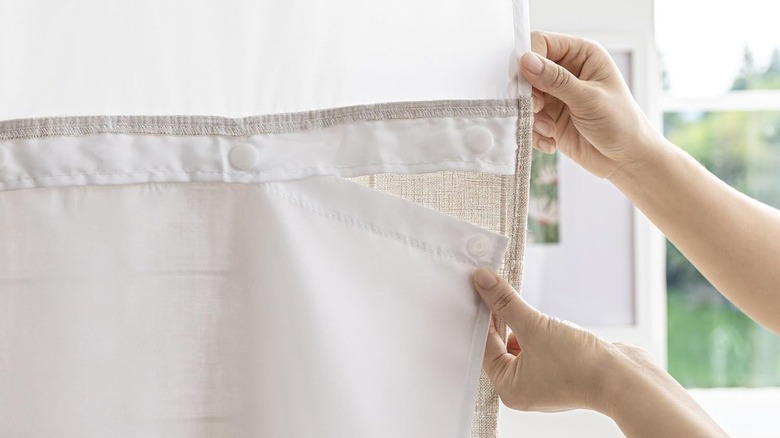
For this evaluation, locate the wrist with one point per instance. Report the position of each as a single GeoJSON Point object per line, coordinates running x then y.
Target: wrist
{"type": "Point", "coordinates": [618, 381]}
{"type": "Point", "coordinates": [653, 153]}
{"type": "Point", "coordinates": [645, 401]}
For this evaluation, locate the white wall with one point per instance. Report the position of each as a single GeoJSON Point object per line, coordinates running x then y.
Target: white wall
{"type": "Point", "coordinates": [610, 18]}
{"type": "Point", "coordinates": [593, 15]}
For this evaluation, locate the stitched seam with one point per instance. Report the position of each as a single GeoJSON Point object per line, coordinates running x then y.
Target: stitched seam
{"type": "Point", "coordinates": [139, 172]}
{"type": "Point", "coordinates": [355, 223]}
{"type": "Point", "coordinates": [217, 121]}
{"type": "Point", "coordinates": [263, 124]}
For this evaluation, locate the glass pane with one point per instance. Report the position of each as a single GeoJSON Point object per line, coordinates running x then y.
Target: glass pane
{"type": "Point", "coordinates": [736, 47]}
{"type": "Point", "coordinates": [711, 343]}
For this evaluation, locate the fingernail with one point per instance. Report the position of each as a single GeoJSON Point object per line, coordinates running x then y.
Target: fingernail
{"type": "Point", "coordinates": [545, 146]}
{"type": "Point", "coordinates": [533, 63]}
{"type": "Point", "coordinates": [537, 105]}
{"type": "Point", "coordinates": [484, 278]}
{"type": "Point", "coordinates": [543, 128]}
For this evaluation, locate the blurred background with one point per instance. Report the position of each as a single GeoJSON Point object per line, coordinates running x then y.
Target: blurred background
{"type": "Point", "coordinates": [721, 103]}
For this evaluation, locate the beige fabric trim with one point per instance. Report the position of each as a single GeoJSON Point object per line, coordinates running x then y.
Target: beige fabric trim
{"type": "Point", "coordinates": [252, 125]}
{"type": "Point", "coordinates": [496, 202]}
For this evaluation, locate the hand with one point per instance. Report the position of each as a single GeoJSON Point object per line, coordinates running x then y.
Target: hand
{"type": "Point", "coordinates": [546, 365]}
{"type": "Point", "coordinates": [550, 365]}
{"type": "Point", "coordinates": [584, 107]}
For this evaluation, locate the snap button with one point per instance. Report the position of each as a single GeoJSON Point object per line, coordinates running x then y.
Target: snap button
{"type": "Point", "coordinates": [478, 246]}
{"type": "Point", "coordinates": [478, 139]}
{"type": "Point", "coordinates": [3, 157]}
{"type": "Point", "coordinates": [243, 156]}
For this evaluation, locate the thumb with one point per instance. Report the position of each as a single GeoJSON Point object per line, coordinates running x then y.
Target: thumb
{"type": "Point", "coordinates": [502, 299]}
{"type": "Point", "coordinates": [551, 78]}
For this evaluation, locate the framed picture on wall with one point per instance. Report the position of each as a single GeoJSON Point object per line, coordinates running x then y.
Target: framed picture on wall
{"type": "Point", "coordinates": [592, 257]}
{"type": "Point", "coordinates": [543, 212]}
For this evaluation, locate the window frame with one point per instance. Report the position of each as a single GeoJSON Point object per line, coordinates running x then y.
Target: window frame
{"type": "Point", "coordinates": [740, 411]}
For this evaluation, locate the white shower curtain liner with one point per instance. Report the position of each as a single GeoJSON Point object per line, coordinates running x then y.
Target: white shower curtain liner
{"type": "Point", "coordinates": [313, 307]}
{"type": "Point", "coordinates": [168, 273]}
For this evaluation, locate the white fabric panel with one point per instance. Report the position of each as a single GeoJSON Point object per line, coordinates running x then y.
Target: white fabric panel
{"type": "Point", "coordinates": [522, 22]}
{"type": "Point", "coordinates": [209, 273]}
{"type": "Point", "coordinates": [314, 307]}
{"type": "Point", "coordinates": [407, 146]}
{"type": "Point", "coordinates": [238, 57]}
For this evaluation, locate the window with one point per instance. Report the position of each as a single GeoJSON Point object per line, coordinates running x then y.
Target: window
{"type": "Point", "coordinates": [722, 104]}
{"type": "Point", "coordinates": [711, 343]}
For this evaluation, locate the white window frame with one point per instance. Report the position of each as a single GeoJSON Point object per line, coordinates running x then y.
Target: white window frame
{"type": "Point", "coordinates": [748, 100]}
{"type": "Point", "coordinates": [649, 330]}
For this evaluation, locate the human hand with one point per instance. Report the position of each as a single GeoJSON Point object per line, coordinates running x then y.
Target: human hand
{"type": "Point", "coordinates": [550, 365]}
{"type": "Point", "coordinates": [584, 107]}
{"type": "Point", "coordinates": [547, 364]}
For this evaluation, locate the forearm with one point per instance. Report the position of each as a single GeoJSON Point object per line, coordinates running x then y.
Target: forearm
{"type": "Point", "coordinates": [646, 402]}
{"type": "Point", "coordinates": [652, 410]}
{"type": "Point", "coordinates": [732, 239]}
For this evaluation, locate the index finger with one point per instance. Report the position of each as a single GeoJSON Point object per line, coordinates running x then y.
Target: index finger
{"type": "Point", "coordinates": [569, 51]}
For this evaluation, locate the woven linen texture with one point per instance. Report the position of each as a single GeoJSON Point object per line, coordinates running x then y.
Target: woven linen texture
{"type": "Point", "coordinates": [495, 202]}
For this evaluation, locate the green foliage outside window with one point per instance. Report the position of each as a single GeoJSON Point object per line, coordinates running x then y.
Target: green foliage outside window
{"type": "Point", "coordinates": [711, 343]}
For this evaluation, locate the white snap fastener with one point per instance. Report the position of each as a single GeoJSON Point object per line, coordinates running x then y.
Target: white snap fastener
{"type": "Point", "coordinates": [3, 157]}
{"type": "Point", "coordinates": [478, 139]}
{"type": "Point", "coordinates": [243, 156]}
{"type": "Point", "coordinates": [478, 246]}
